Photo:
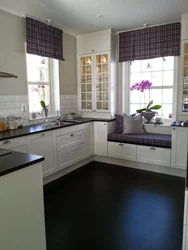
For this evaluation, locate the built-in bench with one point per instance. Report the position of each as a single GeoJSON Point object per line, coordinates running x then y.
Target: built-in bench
{"type": "Point", "coordinates": [146, 148]}
{"type": "Point", "coordinates": [153, 140]}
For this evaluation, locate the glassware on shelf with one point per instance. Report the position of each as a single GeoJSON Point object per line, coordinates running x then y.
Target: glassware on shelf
{"type": "Point", "coordinates": [99, 96]}
{"type": "Point", "coordinates": [89, 87]}
{"type": "Point", "coordinates": [82, 61]}
{"type": "Point", "coordinates": [104, 58]}
{"type": "Point", "coordinates": [99, 105]}
{"type": "Point", "coordinates": [83, 96]}
{"type": "Point", "coordinates": [99, 87]}
{"type": "Point", "coordinates": [186, 49]}
{"type": "Point", "coordinates": [98, 59]}
{"type": "Point", "coordinates": [105, 105]}
{"type": "Point", "coordinates": [88, 60]}
{"type": "Point", "coordinates": [186, 71]}
{"type": "Point", "coordinates": [185, 100]}
{"type": "Point", "coordinates": [83, 105]}
{"type": "Point", "coordinates": [83, 79]}
{"type": "Point", "coordinates": [83, 87]}
{"type": "Point", "coordinates": [105, 86]}
{"type": "Point", "coordinates": [89, 96]}
{"type": "Point", "coordinates": [88, 70]}
{"type": "Point", "coordinates": [186, 60]}
{"type": "Point", "coordinates": [105, 68]}
{"type": "Point", "coordinates": [105, 96]}
{"type": "Point", "coordinates": [89, 79]}
{"type": "Point", "coordinates": [105, 78]}
{"type": "Point", "coordinates": [99, 78]}
{"type": "Point", "coordinates": [185, 86]}
{"type": "Point", "coordinates": [82, 70]}
{"type": "Point", "coordinates": [89, 105]}
{"type": "Point", "coordinates": [98, 69]}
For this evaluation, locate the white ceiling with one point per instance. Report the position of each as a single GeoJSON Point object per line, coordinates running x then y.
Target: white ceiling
{"type": "Point", "coordinates": [80, 16]}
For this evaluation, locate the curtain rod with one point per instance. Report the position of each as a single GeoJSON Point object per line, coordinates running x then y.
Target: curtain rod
{"type": "Point", "coordinates": [147, 27]}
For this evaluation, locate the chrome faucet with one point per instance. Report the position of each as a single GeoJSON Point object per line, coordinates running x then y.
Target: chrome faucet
{"type": "Point", "coordinates": [58, 117]}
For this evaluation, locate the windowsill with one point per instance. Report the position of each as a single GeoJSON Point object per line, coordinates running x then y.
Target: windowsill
{"type": "Point", "coordinates": [42, 118]}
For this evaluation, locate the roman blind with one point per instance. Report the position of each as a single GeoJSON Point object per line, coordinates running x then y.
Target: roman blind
{"type": "Point", "coordinates": [44, 40]}
{"type": "Point", "coordinates": [159, 41]}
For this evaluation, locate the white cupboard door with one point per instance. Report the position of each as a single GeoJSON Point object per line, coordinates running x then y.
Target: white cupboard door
{"type": "Point", "coordinates": [153, 155]}
{"type": "Point", "coordinates": [179, 148]}
{"type": "Point", "coordinates": [21, 149]}
{"type": "Point", "coordinates": [85, 78]}
{"type": "Point", "coordinates": [184, 28]}
{"type": "Point", "coordinates": [100, 138]}
{"type": "Point", "coordinates": [44, 144]}
{"type": "Point", "coordinates": [102, 81]}
{"type": "Point", "coordinates": [122, 151]}
{"type": "Point", "coordinates": [88, 141]}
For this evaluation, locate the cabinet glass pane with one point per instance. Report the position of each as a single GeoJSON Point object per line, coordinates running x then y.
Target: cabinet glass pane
{"type": "Point", "coordinates": [185, 60]}
{"type": "Point", "coordinates": [99, 96]}
{"type": "Point", "coordinates": [82, 70]}
{"type": "Point", "coordinates": [89, 87]}
{"type": "Point", "coordinates": [104, 58]}
{"type": "Point", "coordinates": [105, 86]}
{"type": "Point", "coordinates": [83, 79]}
{"type": "Point", "coordinates": [185, 71]}
{"type": "Point", "coordinates": [99, 105]}
{"type": "Point", "coordinates": [105, 78]}
{"type": "Point", "coordinates": [98, 59]}
{"type": "Point", "coordinates": [88, 60]}
{"type": "Point", "coordinates": [99, 78]}
{"type": "Point", "coordinates": [98, 69]}
{"type": "Point", "coordinates": [82, 61]}
{"type": "Point", "coordinates": [83, 105]}
{"type": "Point", "coordinates": [88, 69]}
{"type": "Point", "coordinates": [99, 87]}
{"type": "Point", "coordinates": [89, 79]}
{"type": "Point", "coordinates": [89, 97]}
{"type": "Point", "coordinates": [105, 96]}
{"type": "Point", "coordinates": [186, 49]}
{"type": "Point", "coordinates": [105, 68]}
{"type": "Point", "coordinates": [105, 105]}
{"type": "Point", "coordinates": [89, 105]}
{"type": "Point", "coordinates": [83, 96]}
{"type": "Point", "coordinates": [83, 87]}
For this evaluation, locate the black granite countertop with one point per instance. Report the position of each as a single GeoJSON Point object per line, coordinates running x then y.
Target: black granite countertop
{"type": "Point", "coordinates": [32, 129]}
{"type": "Point", "coordinates": [15, 161]}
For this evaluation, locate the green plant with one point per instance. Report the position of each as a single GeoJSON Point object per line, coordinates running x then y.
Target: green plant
{"type": "Point", "coordinates": [43, 105]}
{"type": "Point", "coordinates": [149, 108]}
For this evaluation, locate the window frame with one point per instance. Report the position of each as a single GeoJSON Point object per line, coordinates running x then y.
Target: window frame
{"type": "Point", "coordinates": [125, 78]}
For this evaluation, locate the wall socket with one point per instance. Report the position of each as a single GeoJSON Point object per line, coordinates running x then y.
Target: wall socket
{"type": "Point", "coordinates": [23, 107]}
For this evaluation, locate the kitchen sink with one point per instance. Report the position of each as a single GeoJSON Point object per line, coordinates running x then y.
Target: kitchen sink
{"type": "Point", "coordinates": [55, 124]}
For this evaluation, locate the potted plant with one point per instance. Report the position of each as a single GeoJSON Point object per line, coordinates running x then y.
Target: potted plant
{"type": "Point", "coordinates": [44, 108]}
{"type": "Point", "coordinates": [149, 111]}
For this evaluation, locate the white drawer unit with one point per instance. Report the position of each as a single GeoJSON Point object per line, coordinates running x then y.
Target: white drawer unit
{"type": "Point", "coordinates": [122, 151]}
{"type": "Point", "coordinates": [70, 140]}
{"type": "Point", "coordinates": [21, 149]}
{"type": "Point", "coordinates": [70, 156]}
{"type": "Point", "coordinates": [13, 143]}
{"type": "Point", "coordinates": [69, 129]}
{"type": "Point", "coordinates": [154, 155]}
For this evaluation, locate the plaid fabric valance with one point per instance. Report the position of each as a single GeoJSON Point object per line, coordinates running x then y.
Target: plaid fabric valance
{"type": "Point", "coordinates": [159, 41]}
{"type": "Point", "coordinates": [44, 40]}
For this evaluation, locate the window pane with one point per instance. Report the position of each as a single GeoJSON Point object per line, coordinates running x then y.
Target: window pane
{"type": "Point", "coordinates": [166, 110]}
{"type": "Point", "coordinates": [136, 66]}
{"type": "Point", "coordinates": [37, 68]}
{"type": "Point", "coordinates": [156, 96]}
{"type": "Point", "coordinates": [135, 96]}
{"type": "Point", "coordinates": [167, 95]}
{"type": "Point", "coordinates": [157, 64]}
{"type": "Point", "coordinates": [169, 63]}
{"type": "Point", "coordinates": [146, 76]}
{"type": "Point", "coordinates": [146, 65]}
{"type": "Point", "coordinates": [36, 94]}
{"type": "Point", "coordinates": [157, 78]}
{"type": "Point", "coordinates": [134, 107]}
{"type": "Point", "coordinates": [168, 78]}
{"type": "Point", "coordinates": [135, 77]}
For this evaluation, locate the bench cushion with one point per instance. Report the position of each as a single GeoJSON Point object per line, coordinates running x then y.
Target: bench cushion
{"type": "Point", "coordinates": [156, 140]}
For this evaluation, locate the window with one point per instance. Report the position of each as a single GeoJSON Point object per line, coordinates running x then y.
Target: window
{"type": "Point", "coordinates": [40, 83]}
{"type": "Point", "coordinates": [160, 72]}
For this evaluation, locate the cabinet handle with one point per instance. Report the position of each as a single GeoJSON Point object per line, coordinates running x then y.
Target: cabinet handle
{"type": "Point", "coordinates": [43, 134]}
{"type": "Point", "coordinates": [121, 144]}
{"type": "Point", "coordinates": [6, 142]}
{"type": "Point", "coordinates": [72, 135]}
{"type": "Point", "coordinates": [152, 148]}
{"type": "Point", "coordinates": [104, 123]}
{"type": "Point", "coordinates": [93, 50]}
{"type": "Point", "coordinates": [174, 129]}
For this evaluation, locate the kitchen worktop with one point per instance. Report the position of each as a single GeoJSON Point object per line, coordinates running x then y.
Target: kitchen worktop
{"type": "Point", "coordinates": [32, 129]}
{"type": "Point", "coordinates": [15, 161]}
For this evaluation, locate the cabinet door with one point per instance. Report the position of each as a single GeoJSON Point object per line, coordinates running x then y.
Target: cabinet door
{"type": "Point", "coordinates": [86, 82]}
{"type": "Point", "coordinates": [100, 138]}
{"type": "Point", "coordinates": [21, 149]}
{"type": "Point", "coordinates": [179, 148]}
{"type": "Point", "coordinates": [44, 144]}
{"type": "Point", "coordinates": [88, 141]}
{"type": "Point", "coordinates": [102, 78]}
{"type": "Point", "coordinates": [184, 28]}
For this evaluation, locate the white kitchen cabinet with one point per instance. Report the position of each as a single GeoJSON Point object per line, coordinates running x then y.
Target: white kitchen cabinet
{"type": "Point", "coordinates": [100, 138]}
{"type": "Point", "coordinates": [184, 27]}
{"type": "Point", "coordinates": [154, 155]}
{"type": "Point", "coordinates": [21, 149]}
{"type": "Point", "coordinates": [88, 142]}
{"type": "Point", "coordinates": [19, 143]}
{"type": "Point", "coordinates": [44, 144]}
{"type": "Point", "coordinates": [97, 77]}
{"type": "Point", "coordinates": [179, 148]}
{"type": "Point", "coordinates": [122, 151]}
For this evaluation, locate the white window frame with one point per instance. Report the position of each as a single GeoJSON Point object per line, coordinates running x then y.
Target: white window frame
{"type": "Point", "coordinates": [124, 78]}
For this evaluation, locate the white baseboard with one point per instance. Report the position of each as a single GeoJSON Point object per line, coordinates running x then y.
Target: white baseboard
{"type": "Point", "coordinates": [67, 170]}
{"type": "Point", "coordinates": [142, 166]}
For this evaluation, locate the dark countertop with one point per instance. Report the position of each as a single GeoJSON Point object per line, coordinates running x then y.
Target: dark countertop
{"type": "Point", "coordinates": [32, 129]}
{"type": "Point", "coordinates": [15, 161]}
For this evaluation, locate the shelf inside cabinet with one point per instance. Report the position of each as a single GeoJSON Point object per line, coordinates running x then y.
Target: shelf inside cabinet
{"type": "Point", "coordinates": [186, 49]}
{"type": "Point", "coordinates": [186, 71]}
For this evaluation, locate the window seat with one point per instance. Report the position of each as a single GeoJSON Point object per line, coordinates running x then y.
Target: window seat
{"type": "Point", "coordinates": [155, 140]}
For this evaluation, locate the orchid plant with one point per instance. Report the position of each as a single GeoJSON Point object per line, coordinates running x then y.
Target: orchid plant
{"type": "Point", "coordinates": [142, 87]}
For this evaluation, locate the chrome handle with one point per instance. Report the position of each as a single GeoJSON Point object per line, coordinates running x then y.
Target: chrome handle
{"type": "Point", "coordinates": [72, 135]}
{"type": "Point", "coordinates": [152, 148]}
{"type": "Point", "coordinates": [121, 144]}
{"type": "Point", "coordinates": [43, 134]}
{"type": "Point", "coordinates": [104, 123]}
{"type": "Point", "coordinates": [6, 142]}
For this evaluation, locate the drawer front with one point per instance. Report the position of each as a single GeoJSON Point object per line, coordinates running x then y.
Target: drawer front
{"type": "Point", "coordinates": [70, 156]}
{"type": "Point", "coordinates": [13, 143]}
{"type": "Point", "coordinates": [70, 140]}
{"type": "Point", "coordinates": [71, 129]}
{"type": "Point", "coordinates": [40, 135]}
{"type": "Point", "coordinates": [122, 151]}
{"type": "Point", "coordinates": [152, 155]}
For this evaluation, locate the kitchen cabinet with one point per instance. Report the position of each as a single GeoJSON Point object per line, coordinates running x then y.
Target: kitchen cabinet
{"type": "Point", "coordinates": [97, 78]}
{"type": "Point", "coordinates": [18, 144]}
{"type": "Point", "coordinates": [179, 148]}
{"type": "Point", "coordinates": [44, 144]}
{"type": "Point", "coordinates": [88, 141]}
{"type": "Point", "coordinates": [122, 151]}
{"type": "Point", "coordinates": [184, 27]}
{"type": "Point", "coordinates": [154, 155]}
{"type": "Point", "coordinates": [100, 138]}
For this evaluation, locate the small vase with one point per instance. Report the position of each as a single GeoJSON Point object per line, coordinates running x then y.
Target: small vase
{"type": "Point", "coordinates": [45, 112]}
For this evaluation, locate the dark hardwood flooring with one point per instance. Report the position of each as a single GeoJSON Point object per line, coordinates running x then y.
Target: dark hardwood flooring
{"type": "Point", "coordinates": [107, 207]}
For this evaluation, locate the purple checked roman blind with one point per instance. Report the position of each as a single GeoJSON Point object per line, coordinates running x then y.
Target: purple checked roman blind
{"type": "Point", "coordinates": [44, 40]}
{"type": "Point", "coordinates": [159, 41]}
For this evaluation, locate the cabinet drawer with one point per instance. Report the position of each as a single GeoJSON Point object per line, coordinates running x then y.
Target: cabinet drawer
{"type": "Point", "coordinates": [40, 135]}
{"type": "Point", "coordinates": [71, 129]}
{"type": "Point", "coordinates": [70, 140]}
{"type": "Point", "coordinates": [70, 156]}
{"type": "Point", "coordinates": [13, 143]}
{"type": "Point", "coordinates": [122, 151]}
{"type": "Point", "coordinates": [152, 155]}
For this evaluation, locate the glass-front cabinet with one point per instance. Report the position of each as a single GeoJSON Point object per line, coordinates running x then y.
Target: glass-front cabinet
{"type": "Point", "coordinates": [94, 82]}
{"type": "Point", "coordinates": [185, 77]}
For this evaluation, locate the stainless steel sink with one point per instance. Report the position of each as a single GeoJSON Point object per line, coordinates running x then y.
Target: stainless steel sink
{"type": "Point", "coordinates": [55, 124]}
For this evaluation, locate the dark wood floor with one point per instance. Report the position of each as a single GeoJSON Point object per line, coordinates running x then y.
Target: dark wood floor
{"type": "Point", "coordinates": [107, 207]}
